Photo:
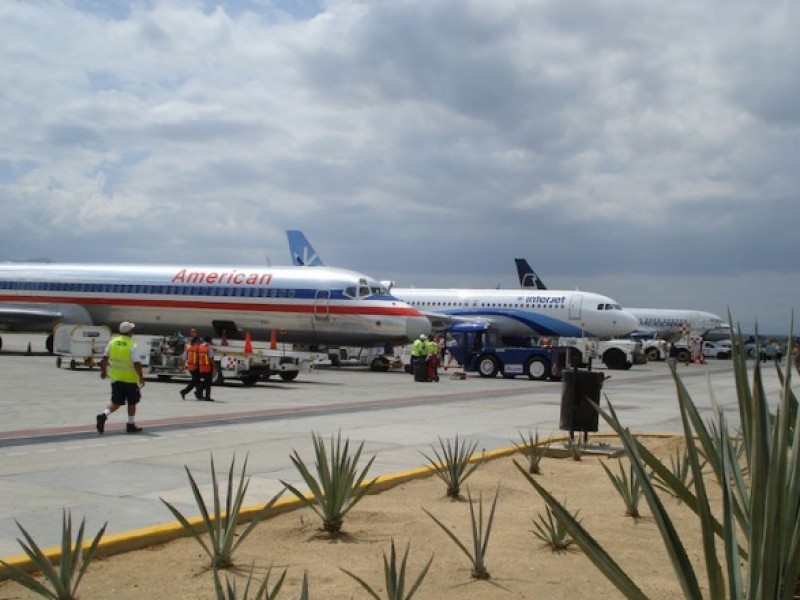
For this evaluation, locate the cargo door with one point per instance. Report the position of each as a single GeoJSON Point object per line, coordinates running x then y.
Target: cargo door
{"type": "Point", "coordinates": [575, 303]}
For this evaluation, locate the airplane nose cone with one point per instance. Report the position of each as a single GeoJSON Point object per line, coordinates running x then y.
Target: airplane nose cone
{"type": "Point", "coordinates": [416, 326]}
{"type": "Point", "coordinates": [627, 322]}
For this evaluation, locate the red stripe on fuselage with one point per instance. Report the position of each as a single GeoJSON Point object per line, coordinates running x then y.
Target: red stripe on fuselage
{"type": "Point", "coordinates": [361, 309]}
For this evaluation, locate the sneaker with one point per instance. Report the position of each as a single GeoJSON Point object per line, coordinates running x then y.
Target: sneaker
{"type": "Point", "coordinates": [101, 422]}
{"type": "Point", "coordinates": [183, 395]}
{"type": "Point", "coordinates": [209, 399]}
{"type": "Point", "coordinates": [132, 428]}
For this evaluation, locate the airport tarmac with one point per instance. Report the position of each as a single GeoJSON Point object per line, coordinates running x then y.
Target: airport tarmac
{"type": "Point", "coordinates": [53, 458]}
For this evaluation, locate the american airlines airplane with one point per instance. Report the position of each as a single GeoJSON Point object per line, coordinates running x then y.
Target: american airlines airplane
{"type": "Point", "coordinates": [320, 306]}
{"type": "Point", "coordinates": [514, 313]}
{"type": "Point", "coordinates": [658, 322]}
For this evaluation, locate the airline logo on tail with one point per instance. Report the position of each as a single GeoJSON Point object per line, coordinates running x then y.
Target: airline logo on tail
{"type": "Point", "coordinates": [303, 253]}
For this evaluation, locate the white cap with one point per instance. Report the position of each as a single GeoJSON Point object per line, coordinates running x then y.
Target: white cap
{"type": "Point", "coordinates": [423, 336]}
{"type": "Point", "coordinates": [126, 327]}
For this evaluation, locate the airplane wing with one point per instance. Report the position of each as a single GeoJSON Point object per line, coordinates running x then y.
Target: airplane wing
{"type": "Point", "coordinates": [28, 316]}
{"type": "Point", "coordinates": [444, 321]}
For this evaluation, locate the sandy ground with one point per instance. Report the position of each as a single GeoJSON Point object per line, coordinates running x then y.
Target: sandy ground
{"type": "Point", "coordinates": [519, 565]}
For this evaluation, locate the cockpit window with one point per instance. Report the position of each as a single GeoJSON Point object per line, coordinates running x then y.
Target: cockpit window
{"type": "Point", "coordinates": [609, 307]}
{"type": "Point", "coordinates": [351, 291]}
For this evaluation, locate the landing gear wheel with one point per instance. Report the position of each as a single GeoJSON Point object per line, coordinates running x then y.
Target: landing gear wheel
{"type": "Point", "coordinates": [289, 375]}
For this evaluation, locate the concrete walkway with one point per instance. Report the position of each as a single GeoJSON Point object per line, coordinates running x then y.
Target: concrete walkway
{"type": "Point", "coordinates": [52, 458]}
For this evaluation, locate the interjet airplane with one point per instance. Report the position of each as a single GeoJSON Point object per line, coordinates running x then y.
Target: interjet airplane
{"type": "Point", "coordinates": [319, 306]}
{"type": "Point", "coordinates": [514, 313]}
{"type": "Point", "coordinates": [652, 322]}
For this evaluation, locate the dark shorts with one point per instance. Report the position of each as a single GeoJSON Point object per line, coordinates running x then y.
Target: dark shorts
{"type": "Point", "coordinates": [123, 392]}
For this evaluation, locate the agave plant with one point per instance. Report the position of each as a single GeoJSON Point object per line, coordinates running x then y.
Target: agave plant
{"type": "Point", "coordinates": [454, 463]}
{"type": "Point", "coordinates": [395, 577]}
{"type": "Point", "coordinates": [680, 468]}
{"type": "Point", "coordinates": [629, 488]}
{"type": "Point", "coordinates": [760, 509]}
{"type": "Point", "coordinates": [338, 486]}
{"type": "Point", "coordinates": [61, 582]}
{"type": "Point", "coordinates": [575, 449]}
{"type": "Point", "coordinates": [480, 534]}
{"type": "Point", "coordinates": [551, 532]}
{"type": "Point", "coordinates": [532, 450]}
{"type": "Point", "coordinates": [221, 525]}
{"type": "Point", "coordinates": [228, 591]}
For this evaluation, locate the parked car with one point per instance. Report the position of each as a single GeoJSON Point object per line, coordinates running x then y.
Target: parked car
{"type": "Point", "coordinates": [718, 349]}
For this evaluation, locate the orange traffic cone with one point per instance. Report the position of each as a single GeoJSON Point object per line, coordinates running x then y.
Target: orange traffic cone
{"type": "Point", "coordinates": [273, 340]}
{"type": "Point", "coordinates": [248, 343]}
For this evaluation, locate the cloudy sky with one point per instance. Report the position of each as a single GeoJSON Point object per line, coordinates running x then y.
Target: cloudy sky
{"type": "Point", "coordinates": [648, 151]}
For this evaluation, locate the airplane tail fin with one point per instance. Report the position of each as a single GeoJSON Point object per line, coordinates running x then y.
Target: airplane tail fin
{"type": "Point", "coordinates": [527, 276]}
{"type": "Point", "coordinates": [303, 253]}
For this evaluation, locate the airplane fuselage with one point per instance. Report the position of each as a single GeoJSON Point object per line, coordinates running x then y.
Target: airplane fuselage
{"type": "Point", "coordinates": [523, 313]}
{"type": "Point", "coordinates": [665, 322]}
{"type": "Point", "coordinates": [320, 306]}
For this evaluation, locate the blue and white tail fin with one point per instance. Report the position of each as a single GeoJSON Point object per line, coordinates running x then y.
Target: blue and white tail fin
{"type": "Point", "coordinates": [303, 253]}
{"type": "Point", "coordinates": [527, 276]}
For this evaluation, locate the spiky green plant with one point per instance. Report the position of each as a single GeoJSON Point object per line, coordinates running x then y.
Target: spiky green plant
{"type": "Point", "coordinates": [760, 509]}
{"type": "Point", "coordinates": [228, 591]}
{"type": "Point", "coordinates": [221, 525]}
{"type": "Point", "coordinates": [480, 534]}
{"type": "Point", "coordinates": [551, 532]}
{"type": "Point", "coordinates": [454, 463]}
{"type": "Point", "coordinates": [532, 450]}
{"type": "Point", "coordinates": [395, 577]}
{"type": "Point", "coordinates": [680, 468]}
{"type": "Point", "coordinates": [628, 486]}
{"type": "Point", "coordinates": [304, 595]}
{"type": "Point", "coordinates": [338, 486]}
{"type": "Point", "coordinates": [61, 582]}
{"type": "Point", "coordinates": [575, 449]}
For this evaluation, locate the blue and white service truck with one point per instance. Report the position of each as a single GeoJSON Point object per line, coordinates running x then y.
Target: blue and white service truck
{"type": "Point", "coordinates": [478, 348]}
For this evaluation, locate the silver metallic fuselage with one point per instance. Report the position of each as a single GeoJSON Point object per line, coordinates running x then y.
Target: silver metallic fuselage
{"type": "Point", "coordinates": [307, 306]}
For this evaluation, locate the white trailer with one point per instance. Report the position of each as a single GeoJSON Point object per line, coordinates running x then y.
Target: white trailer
{"type": "Point", "coordinates": [80, 345]}
{"type": "Point", "coordinates": [614, 353]}
{"type": "Point", "coordinates": [165, 361]}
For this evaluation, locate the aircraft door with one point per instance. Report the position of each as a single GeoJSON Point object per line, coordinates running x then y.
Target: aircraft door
{"type": "Point", "coordinates": [575, 302]}
{"type": "Point", "coordinates": [322, 310]}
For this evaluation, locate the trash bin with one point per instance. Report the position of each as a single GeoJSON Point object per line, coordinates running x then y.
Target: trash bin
{"type": "Point", "coordinates": [420, 369]}
{"type": "Point", "coordinates": [576, 412]}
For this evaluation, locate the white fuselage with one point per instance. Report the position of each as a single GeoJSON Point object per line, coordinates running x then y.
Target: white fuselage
{"type": "Point", "coordinates": [525, 313]}
{"type": "Point", "coordinates": [665, 322]}
{"type": "Point", "coordinates": [319, 306]}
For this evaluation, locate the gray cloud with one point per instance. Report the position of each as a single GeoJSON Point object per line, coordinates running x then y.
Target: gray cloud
{"type": "Point", "coordinates": [617, 145]}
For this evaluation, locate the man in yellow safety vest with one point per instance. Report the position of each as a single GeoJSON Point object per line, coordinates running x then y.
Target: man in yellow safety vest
{"type": "Point", "coordinates": [123, 364]}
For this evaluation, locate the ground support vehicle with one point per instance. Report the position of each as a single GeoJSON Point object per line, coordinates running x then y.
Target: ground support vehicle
{"type": "Point", "coordinates": [721, 349]}
{"type": "Point", "coordinates": [377, 358]}
{"type": "Point", "coordinates": [614, 354]}
{"type": "Point", "coordinates": [654, 350]}
{"type": "Point", "coordinates": [480, 350]}
{"type": "Point", "coordinates": [165, 360]}
{"type": "Point", "coordinates": [80, 345]}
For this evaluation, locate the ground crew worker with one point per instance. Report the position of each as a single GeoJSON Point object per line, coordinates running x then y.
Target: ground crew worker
{"type": "Point", "coordinates": [432, 349]}
{"type": "Point", "coordinates": [206, 367]}
{"type": "Point", "coordinates": [191, 359]}
{"type": "Point", "coordinates": [418, 350]}
{"type": "Point", "coordinates": [123, 364]}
